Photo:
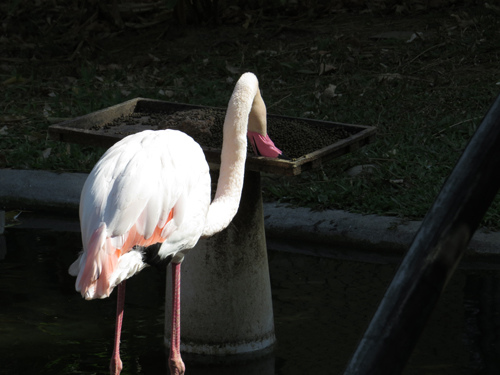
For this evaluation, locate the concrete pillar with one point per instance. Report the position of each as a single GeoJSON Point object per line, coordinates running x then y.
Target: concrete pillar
{"type": "Point", "coordinates": [226, 306]}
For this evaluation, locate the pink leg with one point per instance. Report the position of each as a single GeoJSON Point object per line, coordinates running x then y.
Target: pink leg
{"type": "Point", "coordinates": [116, 366]}
{"type": "Point", "coordinates": [175, 361]}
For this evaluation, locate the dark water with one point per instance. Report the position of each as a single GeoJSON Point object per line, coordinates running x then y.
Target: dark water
{"type": "Point", "coordinates": [321, 306]}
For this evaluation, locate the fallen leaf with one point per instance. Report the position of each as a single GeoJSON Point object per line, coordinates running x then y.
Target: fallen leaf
{"type": "Point", "coordinates": [167, 93]}
{"type": "Point", "coordinates": [12, 218]}
{"type": "Point", "coordinates": [47, 110]}
{"type": "Point", "coordinates": [46, 153]}
{"type": "Point", "coordinates": [154, 58]}
{"type": "Point", "coordinates": [397, 181]}
{"type": "Point", "coordinates": [326, 68]}
{"type": "Point", "coordinates": [57, 120]}
{"type": "Point", "coordinates": [399, 35]}
{"type": "Point", "coordinates": [389, 77]}
{"type": "Point", "coordinates": [109, 67]}
{"type": "Point", "coordinates": [492, 7]}
{"type": "Point", "coordinates": [267, 52]}
{"type": "Point", "coordinates": [178, 82]}
{"type": "Point", "coordinates": [414, 36]}
{"type": "Point", "coordinates": [330, 90]}
{"type": "Point", "coordinates": [232, 69]}
{"type": "Point", "coordinates": [307, 71]}
{"type": "Point", "coordinates": [13, 80]}
{"type": "Point", "coordinates": [401, 9]}
{"type": "Point", "coordinates": [11, 118]}
{"type": "Point", "coordinates": [361, 170]}
{"type": "Point", "coordinates": [461, 22]}
{"type": "Point", "coordinates": [247, 21]}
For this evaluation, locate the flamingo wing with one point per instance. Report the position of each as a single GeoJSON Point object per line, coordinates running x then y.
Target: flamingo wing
{"type": "Point", "coordinates": [151, 187]}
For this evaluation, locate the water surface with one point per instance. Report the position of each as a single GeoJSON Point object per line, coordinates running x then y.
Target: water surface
{"type": "Point", "coordinates": [321, 305]}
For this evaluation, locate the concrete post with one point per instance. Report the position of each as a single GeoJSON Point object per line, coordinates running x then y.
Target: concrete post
{"type": "Point", "coordinates": [226, 306]}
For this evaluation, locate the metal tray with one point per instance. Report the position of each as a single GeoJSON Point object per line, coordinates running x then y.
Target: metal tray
{"type": "Point", "coordinates": [89, 130]}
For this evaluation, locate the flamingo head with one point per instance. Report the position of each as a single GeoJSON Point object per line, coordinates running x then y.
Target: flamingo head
{"type": "Point", "coordinates": [257, 130]}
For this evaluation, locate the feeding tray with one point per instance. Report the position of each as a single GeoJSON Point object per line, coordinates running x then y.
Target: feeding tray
{"type": "Point", "coordinates": [307, 142]}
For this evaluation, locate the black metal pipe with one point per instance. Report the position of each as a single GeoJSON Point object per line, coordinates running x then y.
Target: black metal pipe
{"type": "Point", "coordinates": [434, 254]}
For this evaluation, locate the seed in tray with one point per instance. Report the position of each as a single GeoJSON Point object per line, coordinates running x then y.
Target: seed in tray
{"type": "Point", "coordinates": [295, 137]}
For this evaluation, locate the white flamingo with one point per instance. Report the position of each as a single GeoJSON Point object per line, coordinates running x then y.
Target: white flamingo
{"type": "Point", "coordinates": [152, 188]}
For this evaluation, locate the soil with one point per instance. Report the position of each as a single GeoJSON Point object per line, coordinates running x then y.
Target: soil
{"type": "Point", "coordinates": [294, 137]}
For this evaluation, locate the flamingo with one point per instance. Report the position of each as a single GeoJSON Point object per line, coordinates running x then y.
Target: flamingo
{"type": "Point", "coordinates": [153, 188]}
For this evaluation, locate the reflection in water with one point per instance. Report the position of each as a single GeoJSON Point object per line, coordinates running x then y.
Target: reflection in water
{"type": "Point", "coordinates": [321, 305]}
{"type": "Point", "coordinates": [257, 366]}
{"type": "Point", "coordinates": [482, 322]}
{"type": "Point", "coordinates": [47, 328]}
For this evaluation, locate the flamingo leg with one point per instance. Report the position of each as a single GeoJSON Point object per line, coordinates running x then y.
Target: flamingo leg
{"type": "Point", "coordinates": [116, 365]}
{"type": "Point", "coordinates": [175, 361]}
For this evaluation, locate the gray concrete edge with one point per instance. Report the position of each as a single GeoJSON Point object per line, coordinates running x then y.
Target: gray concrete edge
{"type": "Point", "coordinates": [330, 232]}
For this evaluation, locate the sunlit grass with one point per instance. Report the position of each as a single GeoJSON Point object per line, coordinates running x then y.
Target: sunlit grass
{"type": "Point", "coordinates": [426, 98]}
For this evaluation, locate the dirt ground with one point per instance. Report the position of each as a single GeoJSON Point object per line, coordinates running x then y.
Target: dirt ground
{"type": "Point", "coordinates": [422, 72]}
{"type": "Point", "coordinates": [53, 39]}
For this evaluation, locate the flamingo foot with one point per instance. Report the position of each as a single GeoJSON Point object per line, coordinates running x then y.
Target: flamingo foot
{"type": "Point", "coordinates": [116, 365]}
{"type": "Point", "coordinates": [177, 366]}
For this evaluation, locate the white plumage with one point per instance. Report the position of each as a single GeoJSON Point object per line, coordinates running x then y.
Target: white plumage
{"type": "Point", "coordinates": [154, 187]}
{"type": "Point", "coordinates": [137, 183]}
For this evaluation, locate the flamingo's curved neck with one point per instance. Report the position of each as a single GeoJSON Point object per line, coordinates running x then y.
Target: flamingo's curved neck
{"type": "Point", "coordinates": [233, 156]}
